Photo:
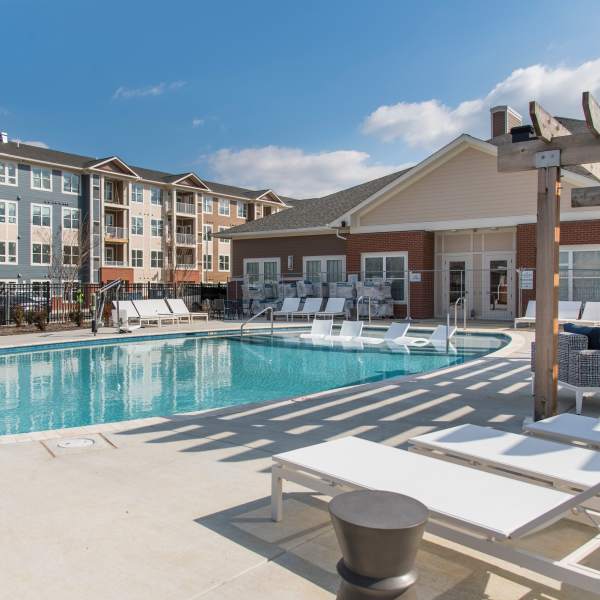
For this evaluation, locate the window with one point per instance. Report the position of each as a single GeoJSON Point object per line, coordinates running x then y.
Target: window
{"type": "Point", "coordinates": [40, 215]}
{"type": "Point", "coordinates": [8, 210]}
{"type": "Point", "coordinates": [137, 192]}
{"type": "Point", "coordinates": [8, 252]}
{"type": "Point", "coordinates": [8, 173]}
{"type": "Point", "coordinates": [242, 210]}
{"type": "Point", "coordinates": [224, 207]}
{"type": "Point", "coordinates": [156, 259]}
{"type": "Point", "coordinates": [156, 227]}
{"type": "Point", "coordinates": [329, 269]}
{"type": "Point", "coordinates": [109, 191]}
{"type": "Point", "coordinates": [207, 232]}
{"type": "Point", "coordinates": [156, 196]}
{"type": "Point", "coordinates": [40, 254]}
{"type": "Point", "coordinates": [70, 183]}
{"type": "Point", "coordinates": [137, 225]}
{"type": "Point", "coordinates": [41, 178]}
{"type": "Point", "coordinates": [262, 269]}
{"type": "Point", "coordinates": [71, 255]}
{"type": "Point", "coordinates": [207, 205]}
{"type": "Point", "coordinates": [390, 267]}
{"type": "Point", "coordinates": [137, 258]}
{"type": "Point", "coordinates": [224, 240]}
{"type": "Point", "coordinates": [207, 262]}
{"type": "Point", "coordinates": [96, 187]}
{"type": "Point", "coordinates": [223, 262]}
{"type": "Point", "coordinates": [579, 273]}
{"type": "Point", "coordinates": [71, 218]}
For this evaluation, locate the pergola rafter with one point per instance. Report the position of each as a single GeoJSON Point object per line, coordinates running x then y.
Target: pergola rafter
{"type": "Point", "coordinates": [552, 147]}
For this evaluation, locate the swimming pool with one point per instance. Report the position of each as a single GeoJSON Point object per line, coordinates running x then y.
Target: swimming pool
{"type": "Point", "coordinates": [75, 385]}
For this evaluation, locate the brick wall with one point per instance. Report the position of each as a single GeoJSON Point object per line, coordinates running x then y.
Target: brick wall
{"type": "Point", "coordinates": [111, 273]}
{"type": "Point", "coordinates": [420, 247]}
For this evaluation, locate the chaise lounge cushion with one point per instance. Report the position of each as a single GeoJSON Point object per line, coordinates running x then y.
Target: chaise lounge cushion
{"type": "Point", "coordinates": [592, 333]}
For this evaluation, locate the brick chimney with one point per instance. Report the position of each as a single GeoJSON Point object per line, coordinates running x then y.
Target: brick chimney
{"type": "Point", "coordinates": [503, 119]}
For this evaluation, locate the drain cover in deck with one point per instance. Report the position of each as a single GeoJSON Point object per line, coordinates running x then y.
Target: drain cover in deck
{"type": "Point", "coordinates": [76, 443]}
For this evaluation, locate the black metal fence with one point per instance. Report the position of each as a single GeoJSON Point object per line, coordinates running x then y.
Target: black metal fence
{"type": "Point", "coordinates": [63, 303]}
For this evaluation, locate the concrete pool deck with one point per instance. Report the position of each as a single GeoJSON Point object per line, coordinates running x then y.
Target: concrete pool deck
{"type": "Point", "coordinates": [178, 507]}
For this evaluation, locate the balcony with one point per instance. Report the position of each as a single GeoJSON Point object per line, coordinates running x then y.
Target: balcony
{"type": "Point", "coordinates": [180, 264]}
{"type": "Point", "coordinates": [185, 208]}
{"type": "Point", "coordinates": [185, 239]}
{"type": "Point", "coordinates": [115, 263]}
{"type": "Point", "coordinates": [115, 233]}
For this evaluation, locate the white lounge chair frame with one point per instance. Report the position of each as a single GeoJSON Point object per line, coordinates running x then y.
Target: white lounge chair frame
{"type": "Point", "coordinates": [567, 427]}
{"type": "Point", "coordinates": [350, 331]}
{"type": "Point", "coordinates": [149, 315]}
{"type": "Point", "coordinates": [333, 308]}
{"type": "Point", "coordinates": [568, 311]}
{"type": "Point", "coordinates": [442, 523]}
{"type": "Point", "coordinates": [320, 329]}
{"type": "Point", "coordinates": [164, 310]}
{"type": "Point", "coordinates": [580, 391]}
{"type": "Point", "coordinates": [178, 306]}
{"type": "Point", "coordinates": [289, 307]}
{"type": "Point", "coordinates": [395, 333]}
{"type": "Point", "coordinates": [310, 308]}
{"type": "Point", "coordinates": [590, 315]}
{"type": "Point", "coordinates": [529, 316]}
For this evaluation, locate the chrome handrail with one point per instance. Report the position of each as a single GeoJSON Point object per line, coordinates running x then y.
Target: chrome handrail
{"type": "Point", "coordinates": [460, 300]}
{"type": "Point", "coordinates": [264, 310]}
{"type": "Point", "coordinates": [358, 304]}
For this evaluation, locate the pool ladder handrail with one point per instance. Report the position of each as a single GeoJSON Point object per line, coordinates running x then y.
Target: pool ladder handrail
{"type": "Point", "coordinates": [264, 310]}
{"type": "Point", "coordinates": [461, 300]}
{"type": "Point", "coordinates": [358, 301]}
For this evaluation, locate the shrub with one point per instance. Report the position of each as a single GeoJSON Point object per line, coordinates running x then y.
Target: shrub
{"type": "Point", "coordinates": [76, 316]}
{"type": "Point", "coordinates": [18, 315]}
{"type": "Point", "coordinates": [40, 319]}
{"type": "Point", "coordinates": [29, 317]}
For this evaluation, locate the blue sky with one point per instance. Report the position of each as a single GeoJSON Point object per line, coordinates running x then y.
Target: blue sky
{"type": "Point", "coordinates": [304, 97]}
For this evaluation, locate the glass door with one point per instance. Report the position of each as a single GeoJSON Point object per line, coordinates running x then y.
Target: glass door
{"type": "Point", "coordinates": [498, 282]}
{"type": "Point", "coordinates": [458, 282]}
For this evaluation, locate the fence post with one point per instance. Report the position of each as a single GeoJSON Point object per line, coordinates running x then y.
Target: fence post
{"type": "Point", "coordinates": [408, 296]}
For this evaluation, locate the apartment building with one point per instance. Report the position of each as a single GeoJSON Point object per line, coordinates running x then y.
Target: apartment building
{"type": "Point", "coordinates": [103, 219]}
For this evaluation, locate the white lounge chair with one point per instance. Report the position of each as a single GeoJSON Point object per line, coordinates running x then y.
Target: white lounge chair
{"type": "Point", "coordinates": [164, 310]}
{"type": "Point", "coordinates": [333, 308]}
{"type": "Point", "coordinates": [128, 318]}
{"type": "Point", "coordinates": [591, 314]}
{"type": "Point", "coordinates": [529, 315]}
{"type": "Point", "coordinates": [149, 315]}
{"type": "Point", "coordinates": [475, 509]}
{"type": "Point", "coordinates": [569, 428]}
{"type": "Point", "coordinates": [320, 329]}
{"type": "Point", "coordinates": [349, 332]}
{"type": "Point", "coordinates": [437, 338]}
{"type": "Point", "coordinates": [288, 308]}
{"type": "Point", "coordinates": [178, 306]}
{"type": "Point", "coordinates": [568, 311]}
{"type": "Point", "coordinates": [310, 308]}
{"type": "Point", "coordinates": [569, 466]}
{"type": "Point", "coordinates": [396, 334]}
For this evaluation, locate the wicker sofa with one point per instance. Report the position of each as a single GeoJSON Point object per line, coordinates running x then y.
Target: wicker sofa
{"type": "Point", "coordinates": [578, 367]}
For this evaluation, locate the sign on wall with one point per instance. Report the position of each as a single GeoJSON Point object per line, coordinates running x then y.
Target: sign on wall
{"type": "Point", "coordinates": [527, 280]}
{"type": "Point", "coordinates": [415, 277]}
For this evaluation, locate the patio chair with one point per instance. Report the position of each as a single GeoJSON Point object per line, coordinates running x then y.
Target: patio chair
{"type": "Point", "coordinates": [288, 308]}
{"type": "Point", "coordinates": [349, 332]}
{"type": "Point", "coordinates": [149, 315]}
{"type": "Point", "coordinates": [482, 511]}
{"type": "Point", "coordinates": [437, 337]}
{"type": "Point", "coordinates": [310, 308]}
{"type": "Point", "coordinates": [567, 427]}
{"type": "Point", "coordinates": [164, 310]}
{"type": "Point", "coordinates": [320, 329]}
{"type": "Point", "coordinates": [396, 334]}
{"type": "Point", "coordinates": [568, 311]}
{"type": "Point", "coordinates": [591, 314]}
{"type": "Point", "coordinates": [529, 315]}
{"type": "Point", "coordinates": [178, 306]}
{"type": "Point", "coordinates": [334, 308]}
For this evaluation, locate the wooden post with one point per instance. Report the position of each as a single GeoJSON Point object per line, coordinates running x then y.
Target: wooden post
{"type": "Point", "coordinates": [547, 281]}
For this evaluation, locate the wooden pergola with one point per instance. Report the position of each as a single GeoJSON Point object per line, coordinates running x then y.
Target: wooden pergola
{"type": "Point", "coordinates": [547, 148]}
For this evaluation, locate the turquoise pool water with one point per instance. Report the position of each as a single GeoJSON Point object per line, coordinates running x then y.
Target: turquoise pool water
{"type": "Point", "coordinates": [86, 384]}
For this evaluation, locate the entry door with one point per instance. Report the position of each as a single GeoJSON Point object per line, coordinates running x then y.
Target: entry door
{"type": "Point", "coordinates": [498, 300]}
{"type": "Point", "coordinates": [458, 281]}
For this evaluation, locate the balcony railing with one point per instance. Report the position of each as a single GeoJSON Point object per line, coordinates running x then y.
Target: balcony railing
{"type": "Point", "coordinates": [185, 239]}
{"type": "Point", "coordinates": [116, 201]}
{"type": "Point", "coordinates": [119, 233]}
{"type": "Point", "coordinates": [185, 207]}
{"type": "Point", "coordinates": [185, 265]}
{"type": "Point", "coordinates": [115, 263]}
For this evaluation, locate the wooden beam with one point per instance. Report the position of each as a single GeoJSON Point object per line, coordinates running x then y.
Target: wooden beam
{"type": "Point", "coordinates": [545, 125]}
{"type": "Point", "coordinates": [546, 292]}
{"type": "Point", "coordinates": [583, 197]}
{"type": "Point", "coordinates": [591, 109]}
{"type": "Point", "coordinates": [575, 149]}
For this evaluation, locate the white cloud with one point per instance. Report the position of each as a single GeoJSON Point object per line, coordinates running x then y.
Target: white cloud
{"type": "Point", "coordinates": [158, 89]}
{"type": "Point", "coordinates": [293, 172]}
{"type": "Point", "coordinates": [196, 122]}
{"type": "Point", "coordinates": [432, 123]}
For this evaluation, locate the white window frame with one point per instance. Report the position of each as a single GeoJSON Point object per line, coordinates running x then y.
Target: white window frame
{"type": "Point", "coordinates": [154, 259]}
{"type": "Point", "coordinates": [6, 181]}
{"type": "Point", "coordinates": [222, 202]}
{"type": "Point", "coordinates": [7, 253]}
{"type": "Point", "coordinates": [70, 264]}
{"type": "Point", "coordinates": [261, 266]}
{"type": "Point", "coordinates": [154, 222]}
{"type": "Point", "coordinates": [7, 217]}
{"type": "Point", "coordinates": [228, 269]}
{"type": "Point", "coordinates": [136, 219]}
{"type": "Point", "coordinates": [135, 188]}
{"type": "Point", "coordinates": [224, 240]}
{"type": "Point", "coordinates": [210, 201]}
{"type": "Point", "coordinates": [244, 213]}
{"type": "Point", "coordinates": [40, 264]}
{"type": "Point", "coordinates": [324, 258]}
{"type": "Point", "coordinates": [385, 255]}
{"type": "Point", "coordinates": [570, 249]}
{"type": "Point", "coordinates": [208, 256]}
{"type": "Point", "coordinates": [70, 210]}
{"type": "Point", "coordinates": [68, 176]}
{"type": "Point", "coordinates": [41, 206]}
{"type": "Point", "coordinates": [41, 189]}
{"type": "Point", "coordinates": [204, 228]}
{"type": "Point", "coordinates": [133, 260]}
{"type": "Point", "coordinates": [153, 192]}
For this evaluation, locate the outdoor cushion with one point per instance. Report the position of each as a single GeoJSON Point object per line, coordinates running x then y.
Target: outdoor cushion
{"type": "Point", "coordinates": [592, 333]}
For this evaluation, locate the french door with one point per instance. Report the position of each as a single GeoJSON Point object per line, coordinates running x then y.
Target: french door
{"type": "Point", "coordinates": [498, 301]}
{"type": "Point", "coordinates": [458, 281]}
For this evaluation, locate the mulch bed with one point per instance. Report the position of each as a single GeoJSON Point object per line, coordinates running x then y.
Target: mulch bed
{"type": "Point", "coordinates": [12, 330]}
